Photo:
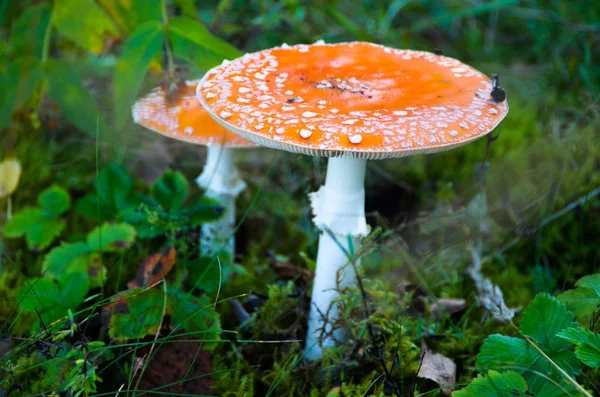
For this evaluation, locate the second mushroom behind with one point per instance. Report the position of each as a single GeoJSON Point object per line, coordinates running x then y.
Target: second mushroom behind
{"type": "Point", "coordinates": [179, 115]}
{"type": "Point", "coordinates": [349, 102]}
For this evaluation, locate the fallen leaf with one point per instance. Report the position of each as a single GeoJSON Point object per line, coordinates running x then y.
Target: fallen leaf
{"type": "Point", "coordinates": [438, 368]}
{"type": "Point", "coordinates": [154, 268]}
{"type": "Point", "coordinates": [445, 306]}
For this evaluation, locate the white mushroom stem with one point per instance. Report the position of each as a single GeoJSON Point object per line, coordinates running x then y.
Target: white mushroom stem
{"type": "Point", "coordinates": [221, 181]}
{"type": "Point", "coordinates": [338, 206]}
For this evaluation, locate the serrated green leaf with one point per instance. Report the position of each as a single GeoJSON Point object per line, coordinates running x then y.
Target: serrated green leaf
{"type": "Point", "coordinates": [27, 36]}
{"type": "Point", "coordinates": [202, 211]}
{"type": "Point", "coordinates": [17, 84]}
{"type": "Point", "coordinates": [495, 384]}
{"type": "Point", "coordinates": [170, 190]}
{"type": "Point", "coordinates": [204, 273]}
{"type": "Point", "coordinates": [592, 282]}
{"type": "Point", "coordinates": [192, 42]}
{"type": "Point", "coordinates": [83, 22]}
{"type": "Point", "coordinates": [114, 186]}
{"type": "Point", "coordinates": [543, 319]}
{"type": "Point", "coordinates": [22, 221]}
{"type": "Point", "coordinates": [61, 260]}
{"type": "Point", "coordinates": [585, 299]}
{"type": "Point", "coordinates": [111, 237]}
{"type": "Point", "coordinates": [144, 311]}
{"type": "Point", "coordinates": [54, 201]}
{"type": "Point", "coordinates": [195, 314]}
{"type": "Point", "coordinates": [145, 42]}
{"type": "Point", "coordinates": [39, 231]}
{"type": "Point", "coordinates": [53, 298]}
{"type": "Point", "coordinates": [76, 104]}
{"type": "Point", "coordinates": [588, 345]}
{"type": "Point", "coordinates": [92, 206]}
{"type": "Point", "coordinates": [508, 353]}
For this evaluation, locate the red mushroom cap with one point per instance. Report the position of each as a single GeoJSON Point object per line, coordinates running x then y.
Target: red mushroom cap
{"type": "Point", "coordinates": [351, 99]}
{"type": "Point", "coordinates": [180, 116]}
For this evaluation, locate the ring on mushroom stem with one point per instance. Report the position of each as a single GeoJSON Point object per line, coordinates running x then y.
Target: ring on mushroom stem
{"type": "Point", "coordinates": [351, 102]}
{"type": "Point", "coordinates": [177, 114]}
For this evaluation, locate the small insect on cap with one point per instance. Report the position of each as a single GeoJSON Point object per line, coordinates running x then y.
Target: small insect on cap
{"type": "Point", "coordinates": [351, 99]}
{"type": "Point", "coordinates": [180, 116]}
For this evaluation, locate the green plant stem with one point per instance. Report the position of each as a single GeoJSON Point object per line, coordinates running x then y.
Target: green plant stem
{"type": "Point", "coordinates": [559, 369]}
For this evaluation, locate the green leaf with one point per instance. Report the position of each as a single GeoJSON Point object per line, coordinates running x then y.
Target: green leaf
{"type": "Point", "coordinates": [495, 384]}
{"type": "Point", "coordinates": [27, 36]}
{"type": "Point", "coordinates": [83, 22]}
{"type": "Point", "coordinates": [170, 190]}
{"type": "Point", "coordinates": [111, 237]}
{"type": "Point", "coordinates": [92, 206]}
{"type": "Point", "coordinates": [588, 345]}
{"type": "Point", "coordinates": [62, 260]}
{"type": "Point", "coordinates": [204, 273]}
{"type": "Point", "coordinates": [17, 84]}
{"type": "Point", "coordinates": [143, 11]}
{"type": "Point", "coordinates": [114, 186]}
{"type": "Point", "coordinates": [543, 319]}
{"type": "Point", "coordinates": [192, 42]}
{"type": "Point", "coordinates": [67, 90]}
{"type": "Point", "coordinates": [142, 46]}
{"type": "Point", "coordinates": [585, 299]}
{"type": "Point", "coordinates": [51, 298]}
{"type": "Point", "coordinates": [54, 201]}
{"type": "Point", "coordinates": [188, 7]}
{"type": "Point", "coordinates": [119, 11]}
{"type": "Point", "coordinates": [142, 316]}
{"type": "Point", "coordinates": [201, 211]}
{"type": "Point", "coordinates": [39, 231]}
{"type": "Point", "coordinates": [508, 353]}
{"type": "Point", "coordinates": [196, 315]}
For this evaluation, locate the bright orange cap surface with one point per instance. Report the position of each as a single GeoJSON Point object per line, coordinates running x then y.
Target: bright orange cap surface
{"type": "Point", "coordinates": [182, 117]}
{"type": "Point", "coordinates": [358, 99]}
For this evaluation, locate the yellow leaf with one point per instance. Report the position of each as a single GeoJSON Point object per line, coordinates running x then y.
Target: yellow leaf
{"type": "Point", "coordinates": [10, 172]}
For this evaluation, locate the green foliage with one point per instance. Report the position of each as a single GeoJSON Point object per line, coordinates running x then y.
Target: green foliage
{"type": "Point", "coordinates": [192, 42]}
{"type": "Point", "coordinates": [53, 298]}
{"type": "Point", "coordinates": [171, 190]}
{"type": "Point", "coordinates": [144, 308]}
{"type": "Point", "coordinates": [588, 345]}
{"type": "Point", "coordinates": [67, 90]}
{"type": "Point", "coordinates": [83, 257]}
{"type": "Point", "coordinates": [83, 22]}
{"type": "Point", "coordinates": [111, 237]}
{"type": "Point", "coordinates": [585, 299]}
{"type": "Point", "coordinates": [18, 83]}
{"type": "Point", "coordinates": [152, 216]}
{"type": "Point", "coordinates": [495, 384]}
{"type": "Point", "coordinates": [142, 46]}
{"type": "Point", "coordinates": [543, 319]}
{"type": "Point", "coordinates": [27, 36]}
{"type": "Point", "coordinates": [196, 315]}
{"type": "Point", "coordinates": [41, 225]}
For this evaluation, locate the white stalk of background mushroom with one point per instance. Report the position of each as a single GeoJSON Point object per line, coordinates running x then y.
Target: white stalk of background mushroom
{"type": "Point", "coordinates": [338, 206]}
{"type": "Point", "coordinates": [221, 181]}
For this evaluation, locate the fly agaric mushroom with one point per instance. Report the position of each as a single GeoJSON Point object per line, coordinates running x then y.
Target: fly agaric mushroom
{"type": "Point", "coordinates": [179, 115]}
{"type": "Point", "coordinates": [349, 102]}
